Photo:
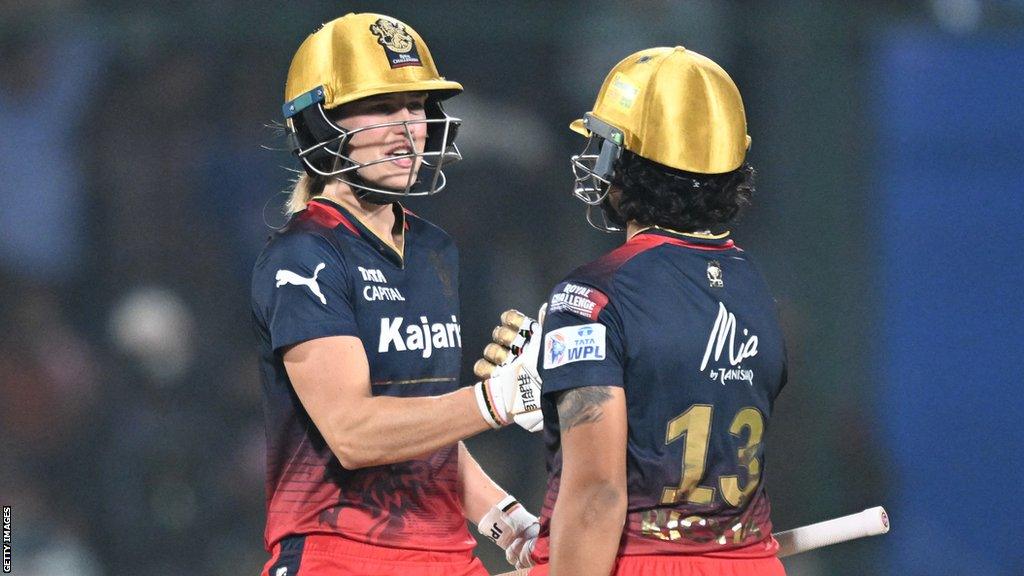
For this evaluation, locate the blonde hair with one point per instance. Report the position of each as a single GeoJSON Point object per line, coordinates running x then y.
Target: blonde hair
{"type": "Point", "coordinates": [305, 188]}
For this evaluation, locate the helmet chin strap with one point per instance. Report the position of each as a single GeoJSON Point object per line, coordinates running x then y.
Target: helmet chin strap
{"type": "Point", "coordinates": [612, 215]}
{"type": "Point", "coordinates": [373, 197]}
{"type": "Point", "coordinates": [358, 186]}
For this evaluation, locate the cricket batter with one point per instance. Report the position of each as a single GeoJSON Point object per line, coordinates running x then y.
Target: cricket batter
{"type": "Point", "coordinates": [662, 359]}
{"type": "Point", "coordinates": [356, 307]}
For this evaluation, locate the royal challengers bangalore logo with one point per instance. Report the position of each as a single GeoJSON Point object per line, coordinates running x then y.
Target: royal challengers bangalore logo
{"type": "Point", "coordinates": [399, 46]}
{"type": "Point", "coordinates": [715, 275]}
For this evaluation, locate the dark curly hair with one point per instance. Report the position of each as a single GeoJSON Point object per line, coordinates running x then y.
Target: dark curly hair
{"type": "Point", "coordinates": [656, 195]}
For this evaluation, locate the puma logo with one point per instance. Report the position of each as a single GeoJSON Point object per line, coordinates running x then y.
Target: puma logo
{"type": "Point", "coordinates": [282, 571]}
{"type": "Point", "coordinates": [288, 277]}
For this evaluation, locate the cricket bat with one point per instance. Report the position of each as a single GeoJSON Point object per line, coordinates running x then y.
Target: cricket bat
{"type": "Point", "coordinates": [870, 522]}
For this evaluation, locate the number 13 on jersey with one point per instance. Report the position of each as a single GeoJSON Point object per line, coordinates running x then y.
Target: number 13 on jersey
{"type": "Point", "coordinates": [694, 427]}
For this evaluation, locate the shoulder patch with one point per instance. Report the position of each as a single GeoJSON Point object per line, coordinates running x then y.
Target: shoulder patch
{"type": "Point", "coordinates": [574, 344]}
{"type": "Point", "coordinates": [578, 299]}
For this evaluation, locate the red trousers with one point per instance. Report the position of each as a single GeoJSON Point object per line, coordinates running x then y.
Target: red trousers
{"type": "Point", "coordinates": [318, 555]}
{"type": "Point", "coordinates": [688, 566]}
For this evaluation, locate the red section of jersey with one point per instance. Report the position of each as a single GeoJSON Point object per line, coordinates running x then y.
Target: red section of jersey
{"type": "Point", "coordinates": [767, 548]}
{"type": "Point", "coordinates": [327, 216]}
{"type": "Point", "coordinates": [336, 556]}
{"type": "Point", "coordinates": [412, 505]}
{"type": "Point", "coordinates": [641, 243]}
{"type": "Point", "coordinates": [744, 533]}
{"type": "Point", "coordinates": [688, 566]}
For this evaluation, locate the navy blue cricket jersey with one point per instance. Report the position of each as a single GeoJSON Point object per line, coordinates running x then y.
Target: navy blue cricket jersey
{"type": "Point", "coordinates": [325, 274]}
{"type": "Point", "coordinates": [686, 325]}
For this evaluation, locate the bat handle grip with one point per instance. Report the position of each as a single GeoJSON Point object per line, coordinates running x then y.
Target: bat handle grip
{"type": "Point", "coordinates": [870, 522]}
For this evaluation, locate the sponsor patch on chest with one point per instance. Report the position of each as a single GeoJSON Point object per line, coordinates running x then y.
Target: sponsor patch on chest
{"type": "Point", "coordinates": [425, 337]}
{"type": "Point", "coordinates": [372, 292]}
{"type": "Point", "coordinates": [574, 344]}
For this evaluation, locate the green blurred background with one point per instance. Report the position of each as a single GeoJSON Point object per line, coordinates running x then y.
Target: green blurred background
{"type": "Point", "coordinates": [141, 171]}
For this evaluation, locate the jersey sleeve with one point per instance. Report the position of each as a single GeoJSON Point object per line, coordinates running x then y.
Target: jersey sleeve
{"type": "Point", "coordinates": [301, 291]}
{"type": "Point", "coordinates": [582, 340]}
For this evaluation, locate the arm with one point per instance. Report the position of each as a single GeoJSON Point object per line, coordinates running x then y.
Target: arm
{"type": "Point", "coordinates": [586, 524]}
{"type": "Point", "coordinates": [498, 516]}
{"type": "Point", "coordinates": [479, 492]}
{"type": "Point", "coordinates": [331, 377]}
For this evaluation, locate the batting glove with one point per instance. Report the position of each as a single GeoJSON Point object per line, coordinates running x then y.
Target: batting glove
{"type": "Point", "coordinates": [509, 525]}
{"type": "Point", "coordinates": [510, 391]}
{"type": "Point", "coordinates": [507, 342]}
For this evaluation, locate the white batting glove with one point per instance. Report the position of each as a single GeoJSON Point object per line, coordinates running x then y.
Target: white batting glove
{"type": "Point", "coordinates": [509, 525]}
{"type": "Point", "coordinates": [518, 552]}
{"type": "Point", "coordinates": [507, 342]}
{"type": "Point", "coordinates": [511, 393]}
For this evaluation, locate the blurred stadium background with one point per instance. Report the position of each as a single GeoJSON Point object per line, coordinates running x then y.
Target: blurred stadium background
{"type": "Point", "coordinates": [138, 178]}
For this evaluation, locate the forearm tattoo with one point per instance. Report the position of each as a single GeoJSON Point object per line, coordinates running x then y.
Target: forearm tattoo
{"type": "Point", "coordinates": [582, 405]}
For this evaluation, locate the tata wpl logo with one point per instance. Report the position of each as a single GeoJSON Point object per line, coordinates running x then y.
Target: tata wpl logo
{"type": "Point", "coordinates": [574, 344]}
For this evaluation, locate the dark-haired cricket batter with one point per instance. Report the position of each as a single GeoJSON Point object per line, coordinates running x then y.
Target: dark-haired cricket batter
{"type": "Point", "coordinates": [662, 359]}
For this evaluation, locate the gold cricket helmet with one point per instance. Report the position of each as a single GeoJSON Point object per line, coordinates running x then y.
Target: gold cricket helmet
{"type": "Point", "coordinates": [672, 106]}
{"type": "Point", "coordinates": [359, 56]}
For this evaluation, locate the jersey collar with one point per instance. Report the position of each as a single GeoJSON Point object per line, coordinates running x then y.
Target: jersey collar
{"type": "Point", "coordinates": [697, 238]}
{"type": "Point", "coordinates": [384, 247]}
